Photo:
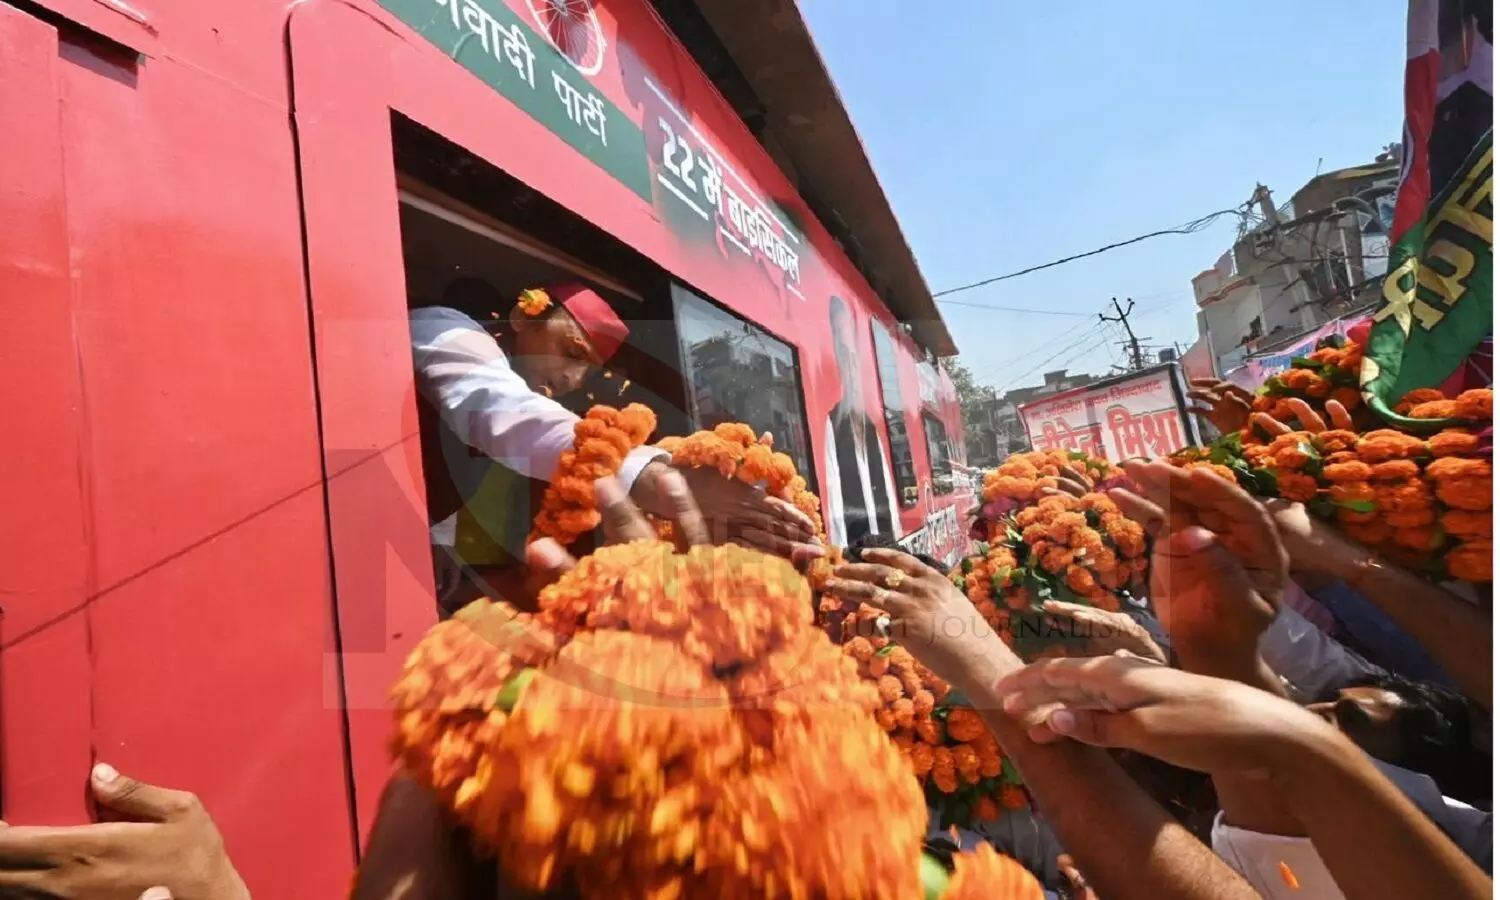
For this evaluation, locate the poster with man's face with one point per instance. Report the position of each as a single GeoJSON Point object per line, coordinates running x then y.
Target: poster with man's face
{"type": "Point", "coordinates": [861, 495]}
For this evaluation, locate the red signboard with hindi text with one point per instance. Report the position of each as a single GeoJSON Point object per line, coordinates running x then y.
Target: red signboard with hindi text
{"type": "Point", "coordinates": [1141, 414]}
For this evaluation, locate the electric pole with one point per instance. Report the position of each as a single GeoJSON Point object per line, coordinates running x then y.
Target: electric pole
{"type": "Point", "coordinates": [1123, 318]}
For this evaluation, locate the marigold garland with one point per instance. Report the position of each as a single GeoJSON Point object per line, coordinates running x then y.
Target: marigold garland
{"type": "Point", "coordinates": [1331, 372]}
{"type": "Point", "coordinates": [671, 725]}
{"type": "Point", "coordinates": [1039, 547]}
{"type": "Point", "coordinates": [733, 449]}
{"type": "Point", "coordinates": [1423, 502]}
{"type": "Point", "coordinates": [534, 301]}
{"type": "Point", "coordinates": [601, 441]}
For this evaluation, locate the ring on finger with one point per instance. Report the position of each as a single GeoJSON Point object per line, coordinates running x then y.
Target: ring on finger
{"type": "Point", "coordinates": [895, 579]}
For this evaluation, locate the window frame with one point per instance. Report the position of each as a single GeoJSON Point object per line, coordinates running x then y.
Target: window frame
{"type": "Point", "coordinates": [900, 415]}
{"type": "Point", "coordinates": [947, 455]}
{"type": "Point", "coordinates": [678, 290]}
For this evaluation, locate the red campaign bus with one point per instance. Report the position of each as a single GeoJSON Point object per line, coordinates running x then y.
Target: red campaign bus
{"type": "Point", "coordinates": [214, 216]}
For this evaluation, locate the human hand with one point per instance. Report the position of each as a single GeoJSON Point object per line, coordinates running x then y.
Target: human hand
{"type": "Point", "coordinates": [1218, 567]}
{"type": "Point", "coordinates": [928, 616]}
{"type": "Point", "coordinates": [1107, 632]}
{"type": "Point", "coordinates": [1193, 721]}
{"type": "Point", "coordinates": [166, 848]}
{"type": "Point", "coordinates": [1307, 417]}
{"type": "Point", "coordinates": [1313, 545]}
{"type": "Point", "coordinates": [1225, 405]}
{"type": "Point", "coordinates": [1071, 483]}
{"type": "Point", "coordinates": [736, 512]}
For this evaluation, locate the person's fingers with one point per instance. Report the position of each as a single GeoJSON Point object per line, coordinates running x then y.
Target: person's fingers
{"type": "Point", "coordinates": [777, 544]}
{"type": "Point", "coordinates": [623, 522]}
{"type": "Point", "coordinates": [1270, 425]}
{"type": "Point", "coordinates": [136, 799]}
{"type": "Point", "coordinates": [1134, 506]}
{"type": "Point", "coordinates": [678, 498]}
{"type": "Point", "coordinates": [1310, 420]}
{"type": "Point", "coordinates": [1075, 611]}
{"type": "Point", "coordinates": [860, 592]}
{"type": "Point", "coordinates": [897, 559]}
{"type": "Point", "coordinates": [878, 575]}
{"type": "Point", "coordinates": [1212, 384]}
{"type": "Point", "coordinates": [547, 557]}
{"type": "Point", "coordinates": [156, 893]}
{"type": "Point", "coordinates": [1230, 390]}
{"type": "Point", "coordinates": [1083, 725]}
{"type": "Point", "coordinates": [1151, 480]}
{"type": "Point", "coordinates": [1339, 416]}
{"type": "Point", "coordinates": [790, 514]}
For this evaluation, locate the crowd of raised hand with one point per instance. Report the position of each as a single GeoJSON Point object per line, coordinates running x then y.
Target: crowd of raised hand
{"type": "Point", "coordinates": [1336, 772]}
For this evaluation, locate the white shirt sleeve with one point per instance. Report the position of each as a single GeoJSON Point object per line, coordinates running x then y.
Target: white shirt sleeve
{"type": "Point", "coordinates": [465, 375]}
{"type": "Point", "coordinates": [833, 489]}
{"type": "Point", "coordinates": [1260, 857]}
{"type": "Point", "coordinates": [1309, 660]}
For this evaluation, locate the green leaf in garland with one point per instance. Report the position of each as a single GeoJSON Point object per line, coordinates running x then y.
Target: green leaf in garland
{"type": "Point", "coordinates": [1265, 483]}
{"type": "Point", "coordinates": [510, 694]}
{"type": "Point", "coordinates": [1008, 773]}
{"type": "Point", "coordinates": [1362, 506]}
{"type": "Point", "coordinates": [1302, 362]}
{"type": "Point", "coordinates": [1322, 507]}
{"type": "Point", "coordinates": [934, 877]}
{"type": "Point", "coordinates": [956, 697]}
{"type": "Point", "coordinates": [966, 565]}
{"type": "Point", "coordinates": [982, 548]}
{"type": "Point", "coordinates": [885, 651]}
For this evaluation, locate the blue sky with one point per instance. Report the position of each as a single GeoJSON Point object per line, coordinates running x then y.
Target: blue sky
{"type": "Point", "coordinates": [1009, 133]}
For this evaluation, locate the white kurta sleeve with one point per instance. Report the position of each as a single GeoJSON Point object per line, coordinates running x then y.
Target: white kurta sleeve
{"type": "Point", "coordinates": [833, 489]}
{"type": "Point", "coordinates": [465, 375]}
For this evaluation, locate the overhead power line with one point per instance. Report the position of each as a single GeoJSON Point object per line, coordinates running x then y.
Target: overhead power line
{"type": "Point", "coordinates": [1017, 309]}
{"type": "Point", "coordinates": [1190, 228]}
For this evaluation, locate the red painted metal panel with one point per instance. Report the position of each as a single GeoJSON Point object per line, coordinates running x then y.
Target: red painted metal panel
{"type": "Point", "coordinates": [125, 22]}
{"type": "Point", "coordinates": [376, 500]}
{"type": "Point", "coordinates": [207, 562]}
{"type": "Point", "coordinates": [45, 567]}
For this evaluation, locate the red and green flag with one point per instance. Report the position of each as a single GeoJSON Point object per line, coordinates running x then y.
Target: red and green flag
{"type": "Point", "coordinates": [1436, 305]}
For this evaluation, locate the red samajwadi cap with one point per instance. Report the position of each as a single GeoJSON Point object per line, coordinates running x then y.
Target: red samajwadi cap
{"type": "Point", "coordinates": [599, 321]}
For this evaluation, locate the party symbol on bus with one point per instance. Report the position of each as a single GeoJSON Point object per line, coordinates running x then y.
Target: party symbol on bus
{"type": "Point", "coordinates": [573, 28]}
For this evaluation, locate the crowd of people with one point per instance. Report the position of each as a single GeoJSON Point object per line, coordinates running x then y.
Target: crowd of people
{"type": "Point", "coordinates": [1289, 717]}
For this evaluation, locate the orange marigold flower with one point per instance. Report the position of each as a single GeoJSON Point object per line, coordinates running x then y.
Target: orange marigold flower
{"type": "Point", "coordinates": [1405, 496]}
{"type": "Point", "coordinates": [1437, 409]}
{"type": "Point", "coordinates": [1413, 517]}
{"type": "Point", "coordinates": [534, 301]}
{"type": "Point", "coordinates": [1467, 493]}
{"type": "Point", "coordinates": [1472, 561]}
{"type": "Point", "coordinates": [1263, 403]}
{"type": "Point", "coordinates": [1296, 486]}
{"type": "Point", "coordinates": [1475, 405]}
{"type": "Point", "coordinates": [1453, 468]}
{"type": "Point", "coordinates": [1406, 404]}
{"type": "Point", "coordinates": [921, 759]}
{"type": "Point", "coordinates": [923, 703]}
{"type": "Point", "coordinates": [927, 730]}
{"type": "Point", "coordinates": [1370, 534]}
{"type": "Point", "coordinates": [890, 688]}
{"type": "Point", "coordinates": [860, 649]}
{"type": "Point", "coordinates": [1395, 470]}
{"type": "Point", "coordinates": [1343, 472]}
{"type": "Point", "coordinates": [1080, 580]}
{"type": "Point", "coordinates": [1347, 397]}
{"type": "Point", "coordinates": [1128, 536]}
{"type": "Point", "coordinates": [1384, 444]}
{"type": "Point", "coordinates": [1468, 524]}
{"type": "Point", "coordinates": [1298, 379]}
{"type": "Point", "coordinates": [984, 874]}
{"type": "Point", "coordinates": [1352, 492]}
{"type": "Point", "coordinates": [986, 809]}
{"type": "Point", "coordinates": [1336, 441]}
{"type": "Point", "coordinates": [964, 724]}
{"type": "Point", "coordinates": [1418, 538]}
{"type": "Point", "coordinates": [1013, 797]}
{"type": "Point", "coordinates": [1453, 442]}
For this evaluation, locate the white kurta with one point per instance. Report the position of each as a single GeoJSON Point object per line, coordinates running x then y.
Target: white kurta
{"type": "Point", "coordinates": [465, 375]}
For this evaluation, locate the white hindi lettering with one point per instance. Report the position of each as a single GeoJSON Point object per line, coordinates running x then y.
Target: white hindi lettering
{"type": "Point", "coordinates": [585, 111]}
{"type": "Point", "coordinates": [494, 37]}
{"type": "Point", "coordinates": [518, 52]}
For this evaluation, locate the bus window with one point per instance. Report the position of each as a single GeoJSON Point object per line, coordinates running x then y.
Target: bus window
{"type": "Point", "coordinates": [940, 452]}
{"type": "Point", "coordinates": [895, 415]}
{"type": "Point", "coordinates": [739, 373]}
